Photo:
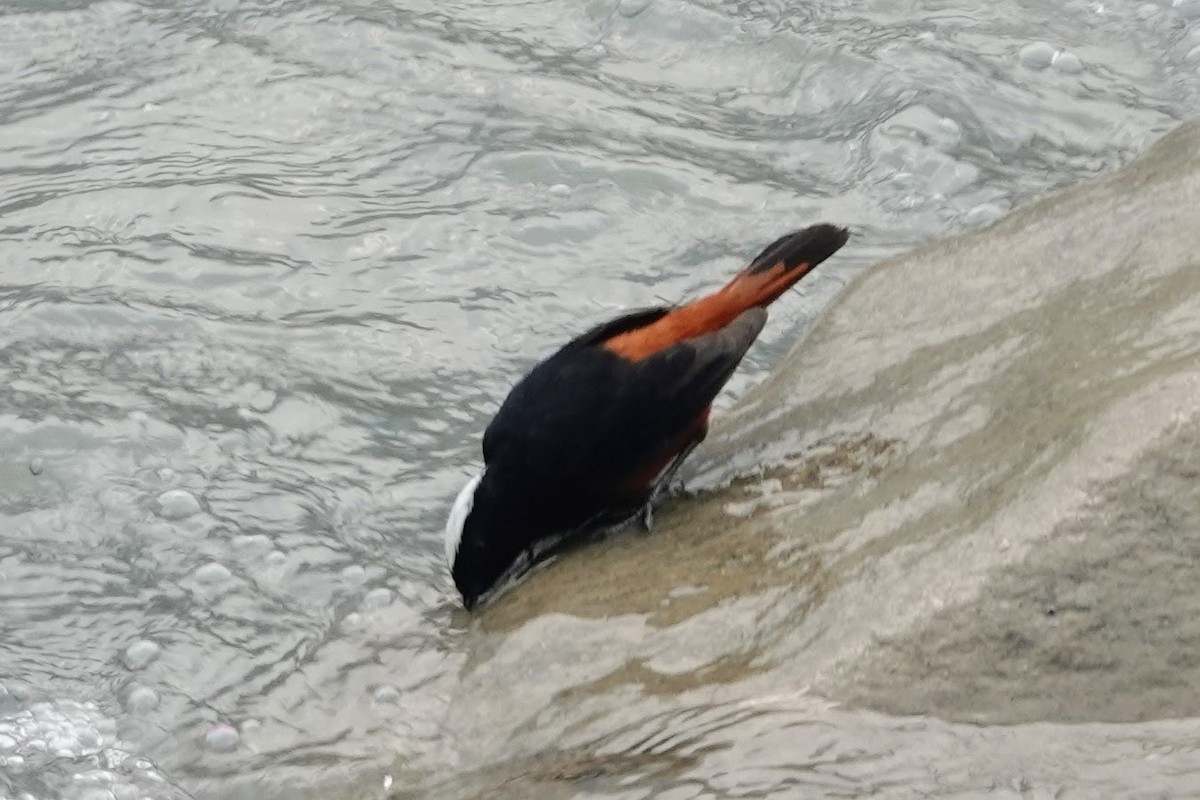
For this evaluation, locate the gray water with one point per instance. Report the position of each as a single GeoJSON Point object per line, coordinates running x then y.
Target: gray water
{"type": "Point", "coordinates": [267, 268]}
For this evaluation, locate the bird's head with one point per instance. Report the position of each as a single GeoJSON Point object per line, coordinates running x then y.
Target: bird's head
{"type": "Point", "coordinates": [479, 548]}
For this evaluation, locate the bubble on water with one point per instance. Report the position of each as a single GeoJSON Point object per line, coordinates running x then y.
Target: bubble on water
{"type": "Point", "coordinates": [37, 465]}
{"type": "Point", "coordinates": [1068, 62]}
{"type": "Point", "coordinates": [177, 504]}
{"type": "Point", "coordinates": [386, 694]}
{"type": "Point", "coordinates": [140, 653]}
{"type": "Point", "coordinates": [262, 400]}
{"type": "Point", "coordinates": [64, 729]}
{"type": "Point", "coordinates": [213, 573]}
{"type": "Point", "coordinates": [276, 558]}
{"type": "Point", "coordinates": [1037, 55]}
{"type": "Point", "coordinates": [378, 597]}
{"type": "Point", "coordinates": [222, 738]}
{"type": "Point", "coordinates": [560, 190]}
{"type": "Point", "coordinates": [912, 158]}
{"type": "Point", "coordinates": [982, 214]}
{"type": "Point", "coordinates": [67, 743]}
{"type": "Point", "coordinates": [352, 621]}
{"type": "Point", "coordinates": [354, 573]}
{"type": "Point", "coordinates": [142, 700]}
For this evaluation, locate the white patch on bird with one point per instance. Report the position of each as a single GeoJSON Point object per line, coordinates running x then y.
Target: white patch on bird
{"type": "Point", "coordinates": [458, 517]}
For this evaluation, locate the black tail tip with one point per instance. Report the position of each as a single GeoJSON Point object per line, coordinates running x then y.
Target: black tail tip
{"type": "Point", "coordinates": [810, 246]}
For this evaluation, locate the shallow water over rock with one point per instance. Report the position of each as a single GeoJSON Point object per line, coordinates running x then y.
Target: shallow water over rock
{"type": "Point", "coordinates": [981, 517]}
{"type": "Point", "coordinates": [267, 268]}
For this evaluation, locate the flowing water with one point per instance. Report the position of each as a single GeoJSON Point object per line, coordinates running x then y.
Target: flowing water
{"type": "Point", "coordinates": [267, 268]}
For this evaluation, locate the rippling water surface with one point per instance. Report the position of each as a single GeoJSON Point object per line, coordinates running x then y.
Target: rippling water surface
{"type": "Point", "coordinates": [266, 268]}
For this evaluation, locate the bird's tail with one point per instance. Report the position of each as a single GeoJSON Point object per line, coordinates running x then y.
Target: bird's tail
{"type": "Point", "coordinates": [780, 265]}
{"type": "Point", "coordinates": [775, 270]}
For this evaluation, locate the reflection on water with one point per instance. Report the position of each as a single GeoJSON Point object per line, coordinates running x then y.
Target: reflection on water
{"type": "Point", "coordinates": [266, 269]}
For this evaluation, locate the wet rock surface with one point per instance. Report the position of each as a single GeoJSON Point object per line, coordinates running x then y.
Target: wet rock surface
{"type": "Point", "coordinates": [980, 504]}
{"type": "Point", "coordinates": [1099, 622]}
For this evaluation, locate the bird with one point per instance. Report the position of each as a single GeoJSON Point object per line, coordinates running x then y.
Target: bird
{"type": "Point", "coordinates": [592, 436]}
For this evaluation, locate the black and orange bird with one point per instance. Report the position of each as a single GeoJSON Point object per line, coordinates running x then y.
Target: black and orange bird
{"type": "Point", "coordinates": [591, 436]}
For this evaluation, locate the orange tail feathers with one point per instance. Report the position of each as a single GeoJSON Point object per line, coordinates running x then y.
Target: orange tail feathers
{"type": "Point", "coordinates": [781, 264]}
{"type": "Point", "coordinates": [775, 270]}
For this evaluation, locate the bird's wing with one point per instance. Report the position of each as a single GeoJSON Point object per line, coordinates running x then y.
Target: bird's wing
{"type": "Point", "coordinates": [587, 416]}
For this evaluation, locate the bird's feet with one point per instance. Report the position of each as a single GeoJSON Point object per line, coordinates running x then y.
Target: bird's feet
{"type": "Point", "coordinates": [647, 517]}
{"type": "Point", "coordinates": [668, 490]}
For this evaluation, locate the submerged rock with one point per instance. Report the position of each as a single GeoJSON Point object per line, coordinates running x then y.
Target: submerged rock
{"type": "Point", "coordinates": [980, 503]}
{"type": "Point", "coordinates": [1040, 379]}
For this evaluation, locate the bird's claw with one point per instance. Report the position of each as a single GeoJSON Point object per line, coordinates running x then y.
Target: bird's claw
{"type": "Point", "coordinates": [647, 517]}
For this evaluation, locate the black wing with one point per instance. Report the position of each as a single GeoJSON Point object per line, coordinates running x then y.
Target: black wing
{"type": "Point", "coordinates": [588, 418]}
